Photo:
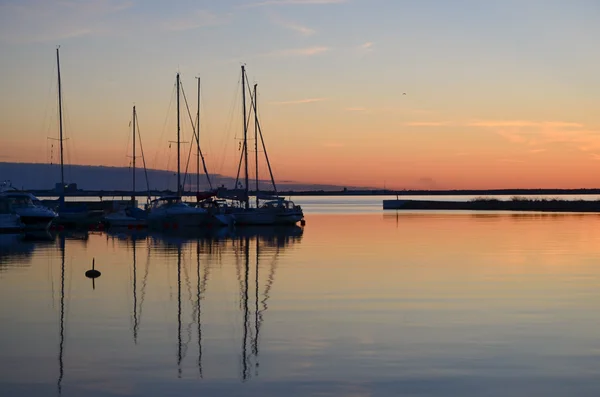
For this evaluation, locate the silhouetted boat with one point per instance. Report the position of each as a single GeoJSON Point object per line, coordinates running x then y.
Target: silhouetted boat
{"type": "Point", "coordinates": [10, 222]}
{"type": "Point", "coordinates": [276, 210]}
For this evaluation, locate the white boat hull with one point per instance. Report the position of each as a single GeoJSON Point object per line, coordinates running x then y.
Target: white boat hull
{"type": "Point", "coordinates": [10, 223]}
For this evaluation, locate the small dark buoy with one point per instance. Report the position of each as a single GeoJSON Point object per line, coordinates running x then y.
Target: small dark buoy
{"type": "Point", "coordinates": [302, 222]}
{"type": "Point", "coordinates": [93, 273]}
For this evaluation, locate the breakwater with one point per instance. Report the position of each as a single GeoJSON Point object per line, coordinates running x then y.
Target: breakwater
{"type": "Point", "coordinates": [544, 205]}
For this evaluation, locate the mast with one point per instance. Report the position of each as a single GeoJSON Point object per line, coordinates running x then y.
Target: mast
{"type": "Point", "coordinates": [246, 198]}
{"type": "Point", "coordinates": [178, 143]}
{"type": "Point", "coordinates": [62, 315]}
{"type": "Point", "coordinates": [133, 190]}
{"type": "Point", "coordinates": [198, 144]}
{"type": "Point", "coordinates": [60, 124]}
{"type": "Point", "coordinates": [256, 140]}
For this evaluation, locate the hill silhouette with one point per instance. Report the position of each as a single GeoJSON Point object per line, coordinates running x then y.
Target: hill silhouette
{"type": "Point", "coordinates": [39, 176]}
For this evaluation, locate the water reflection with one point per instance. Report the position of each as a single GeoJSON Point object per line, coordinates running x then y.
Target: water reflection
{"type": "Point", "coordinates": [61, 343]}
{"type": "Point", "coordinates": [16, 250]}
{"type": "Point", "coordinates": [431, 305]}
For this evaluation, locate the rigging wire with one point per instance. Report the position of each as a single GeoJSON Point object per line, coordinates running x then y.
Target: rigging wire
{"type": "Point", "coordinates": [158, 149]}
{"type": "Point", "coordinates": [142, 153]}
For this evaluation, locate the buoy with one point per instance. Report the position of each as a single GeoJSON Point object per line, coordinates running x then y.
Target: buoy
{"type": "Point", "coordinates": [302, 222]}
{"type": "Point", "coordinates": [93, 273]}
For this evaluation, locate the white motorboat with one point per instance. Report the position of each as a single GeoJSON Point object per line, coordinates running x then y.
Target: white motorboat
{"type": "Point", "coordinates": [10, 222]}
{"type": "Point", "coordinates": [220, 213]}
{"type": "Point", "coordinates": [129, 217]}
{"type": "Point", "coordinates": [170, 212]}
{"type": "Point", "coordinates": [34, 217]}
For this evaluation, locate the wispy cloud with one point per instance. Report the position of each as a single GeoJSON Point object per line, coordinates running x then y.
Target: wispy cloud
{"type": "Point", "coordinates": [294, 52]}
{"type": "Point", "coordinates": [523, 124]}
{"type": "Point", "coordinates": [296, 27]}
{"type": "Point", "coordinates": [427, 123]}
{"type": "Point", "coordinates": [366, 46]}
{"type": "Point", "coordinates": [541, 135]}
{"type": "Point", "coordinates": [195, 20]}
{"type": "Point", "coordinates": [291, 2]}
{"type": "Point", "coordinates": [356, 109]}
{"type": "Point", "coordinates": [45, 21]}
{"type": "Point", "coordinates": [299, 101]}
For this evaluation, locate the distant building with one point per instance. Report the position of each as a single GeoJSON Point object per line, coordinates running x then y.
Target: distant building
{"type": "Point", "coordinates": [69, 188]}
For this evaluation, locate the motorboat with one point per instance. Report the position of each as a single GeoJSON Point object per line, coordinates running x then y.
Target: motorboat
{"type": "Point", "coordinates": [33, 216]}
{"type": "Point", "coordinates": [220, 214]}
{"type": "Point", "coordinates": [130, 217]}
{"type": "Point", "coordinates": [172, 212]}
{"type": "Point", "coordinates": [10, 222]}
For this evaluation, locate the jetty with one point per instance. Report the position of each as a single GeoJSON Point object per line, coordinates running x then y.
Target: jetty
{"type": "Point", "coordinates": [492, 204]}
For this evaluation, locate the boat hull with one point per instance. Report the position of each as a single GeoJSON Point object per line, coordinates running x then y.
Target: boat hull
{"type": "Point", "coordinates": [34, 222]}
{"type": "Point", "coordinates": [10, 223]}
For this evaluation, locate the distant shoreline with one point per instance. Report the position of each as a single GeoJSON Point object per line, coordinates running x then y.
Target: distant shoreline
{"type": "Point", "coordinates": [457, 192]}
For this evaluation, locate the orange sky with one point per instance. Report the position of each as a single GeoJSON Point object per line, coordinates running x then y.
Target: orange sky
{"type": "Point", "coordinates": [485, 107]}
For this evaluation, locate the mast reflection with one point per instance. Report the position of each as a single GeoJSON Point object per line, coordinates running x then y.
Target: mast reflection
{"type": "Point", "coordinates": [248, 248]}
{"type": "Point", "coordinates": [62, 315]}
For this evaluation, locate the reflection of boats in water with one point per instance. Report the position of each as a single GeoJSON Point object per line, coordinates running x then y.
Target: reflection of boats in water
{"type": "Point", "coordinates": [255, 254]}
{"type": "Point", "coordinates": [17, 249]}
{"type": "Point", "coordinates": [273, 235]}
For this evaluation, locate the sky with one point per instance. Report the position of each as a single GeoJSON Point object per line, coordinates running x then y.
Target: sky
{"type": "Point", "coordinates": [397, 94]}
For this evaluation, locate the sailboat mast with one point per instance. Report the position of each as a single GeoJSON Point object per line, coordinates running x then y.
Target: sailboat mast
{"type": "Point", "coordinates": [133, 190]}
{"type": "Point", "coordinates": [60, 124]}
{"type": "Point", "coordinates": [178, 143]}
{"type": "Point", "coordinates": [256, 141]}
{"type": "Point", "coordinates": [198, 144]}
{"type": "Point", "coordinates": [247, 199]}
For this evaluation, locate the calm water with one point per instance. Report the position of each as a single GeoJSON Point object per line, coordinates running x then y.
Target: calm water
{"type": "Point", "coordinates": [357, 303]}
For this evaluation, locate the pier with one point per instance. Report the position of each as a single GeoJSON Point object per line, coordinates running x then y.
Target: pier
{"type": "Point", "coordinates": [490, 204]}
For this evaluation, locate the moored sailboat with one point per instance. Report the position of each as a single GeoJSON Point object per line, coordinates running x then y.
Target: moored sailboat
{"type": "Point", "coordinates": [131, 216]}
{"type": "Point", "coordinates": [171, 211]}
{"type": "Point", "coordinates": [71, 214]}
{"type": "Point", "coordinates": [276, 210]}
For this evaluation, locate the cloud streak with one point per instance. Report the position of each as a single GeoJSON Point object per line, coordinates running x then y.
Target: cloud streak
{"type": "Point", "coordinates": [427, 123]}
{"type": "Point", "coordinates": [44, 21]}
{"type": "Point", "coordinates": [300, 101]}
{"type": "Point", "coordinates": [294, 26]}
{"type": "Point", "coordinates": [524, 124]}
{"type": "Point", "coordinates": [296, 52]}
{"type": "Point", "coordinates": [197, 19]}
{"type": "Point", "coordinates": [291, 2]}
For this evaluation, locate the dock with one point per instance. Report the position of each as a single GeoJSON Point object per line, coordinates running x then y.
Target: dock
{"type": "Point", "coordinates": [540, 205]}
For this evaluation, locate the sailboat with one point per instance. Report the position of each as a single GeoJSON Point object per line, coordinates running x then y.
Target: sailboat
{"type": "Point", "coordinates": [275, 210]}
{"type": "Point", "coordinates": [218, 210]}
{"type": "Point", "coordinates": [72, 214]}
{"type": "Point", "coordinates": [131, 216]}
{"type": "Point", "coordinates": [170, 211]}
